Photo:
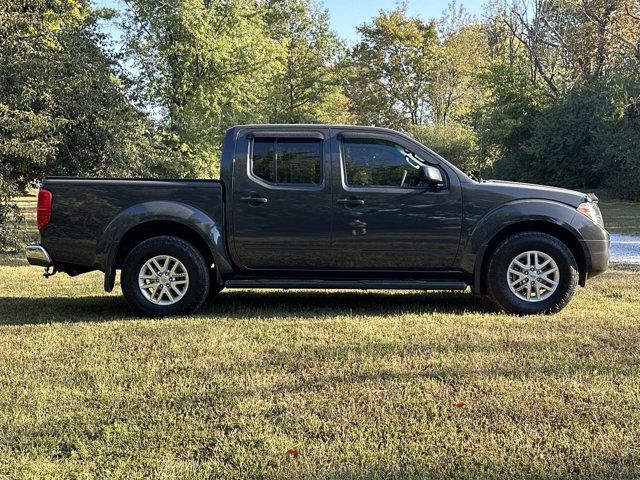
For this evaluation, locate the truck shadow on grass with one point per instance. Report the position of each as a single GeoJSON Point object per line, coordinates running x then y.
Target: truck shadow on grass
{"type": "Point", "coordinates": [240, 305]}
{"type": "Point", "coordinates": [277, 304]}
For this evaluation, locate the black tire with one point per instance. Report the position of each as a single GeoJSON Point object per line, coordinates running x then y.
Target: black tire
{"type": "Point", "coordinates": [187, 254]}
{"type": "Point", "coordinates": [510, 248]}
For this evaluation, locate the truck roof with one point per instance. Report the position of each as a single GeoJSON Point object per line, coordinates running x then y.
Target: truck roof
{"type": "Point", "coordinates": [313, 125]}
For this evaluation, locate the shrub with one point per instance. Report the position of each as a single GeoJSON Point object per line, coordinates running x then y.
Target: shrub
{"type": "Point", "coordinates": [455, 142]}
{"type": "Point", "coordinates": [11, 220]}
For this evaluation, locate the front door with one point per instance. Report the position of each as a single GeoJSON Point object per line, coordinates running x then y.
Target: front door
{"type": "Point", "coordinates": [281, 200]}
{"type": "Point", "coordinates": [384, 217]}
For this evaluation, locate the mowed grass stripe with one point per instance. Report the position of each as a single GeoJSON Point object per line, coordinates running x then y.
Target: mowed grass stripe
{"type": "Point", "coordinates": [362, 385]}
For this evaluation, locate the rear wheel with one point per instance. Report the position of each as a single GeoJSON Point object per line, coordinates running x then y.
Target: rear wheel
{"type": "Point", "coordinates": [165, 276]}
{"type": "Point", "coordinates": [532, 273]}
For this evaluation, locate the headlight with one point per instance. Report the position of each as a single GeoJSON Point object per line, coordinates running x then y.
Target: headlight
{"type": "Point", "coordinates": [591, 210]}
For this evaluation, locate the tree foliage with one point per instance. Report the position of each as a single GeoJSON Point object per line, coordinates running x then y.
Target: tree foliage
{"type": "Point", "coordinates": [590, 139]}
{"type": "Point", "coordinates": [453, 141]}
{"type": "Point", "coordinates": [564, 93]}
{"type": "Point", "coordinates": [63, 110]}
{"type": "Point", "coordinates": [62, 105]}
{"type": "Point", "coordinates": [201, 66]}
{"type": "Point", "coordinates": [307, 84]}
{"type": "Point", "coordinates": [460, 58]}
{"type": "Point", "coordinates": [393, 67]}
{"type": "Point", "coordinates": [11, 219]}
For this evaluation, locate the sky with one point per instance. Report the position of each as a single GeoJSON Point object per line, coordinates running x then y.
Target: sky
{"type": "Point", "coordinates": [346, 15]}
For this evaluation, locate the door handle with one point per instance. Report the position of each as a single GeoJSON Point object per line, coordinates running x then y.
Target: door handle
{"type": "Point", "coordinates": [350, 202]}
{"type": "Point", "coordinates": [255, 200]}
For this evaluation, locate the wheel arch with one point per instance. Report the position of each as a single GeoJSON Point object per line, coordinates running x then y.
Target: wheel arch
{"type": "Point", "coordinates": [157, 228]}
{"type": "Point", "coordinates": [151, 219]}
{"type": "Point", "coordinates": [539, 226]}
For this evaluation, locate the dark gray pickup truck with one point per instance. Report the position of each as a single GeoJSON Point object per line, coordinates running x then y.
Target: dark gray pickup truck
{"type": "Point", "coordinates": [313, 206]}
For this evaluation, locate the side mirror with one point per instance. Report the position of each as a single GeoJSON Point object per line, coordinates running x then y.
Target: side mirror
{"type": "Point", "coordinates": [431, 175]}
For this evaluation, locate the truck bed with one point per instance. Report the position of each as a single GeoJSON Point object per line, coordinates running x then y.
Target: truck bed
{"type": "Point", "coordinates": [83, 208]}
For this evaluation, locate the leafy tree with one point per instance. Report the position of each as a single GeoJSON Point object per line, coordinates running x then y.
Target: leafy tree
{"type": "Point", "coordinates": [202, 66]}
{"type": "Point", "coordinates": [616, 143]}
{"type": "Point", "coordinates": [29, 127]}
{"type": "Point", "coordinates": [505, 122]}
{"type": "Point", "coordinates": [573, 42]}
{"type": "Point", "coordinates": [456, 87]}
{"type": "Point", "coordinates": [563, 93]}
{"type": "Point", "coordinates": [62, 104]}
{"type": "Point", "coordinates": [63, 110]}
{"type": "Point", "coordinates": [591, 138]}
{"type": "Point", "coordinates": [102, 133]}
{"type": "Point", "coordinates": [461, 56]}
{"type": "Point", "coordinates": [306, 86]}
{"type": "Point", "coordinates": [455, 142]}
{"type": "Point", "coordinates": [562, 135]}
{"type": "Point", "coordinates": [408, 74]}
{"type": "Point", "coordinates": [11, 220]}
{"type": "Point", "coordinates": [392, 70]}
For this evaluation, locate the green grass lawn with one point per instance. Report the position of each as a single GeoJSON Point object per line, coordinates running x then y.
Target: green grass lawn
{"type": "Point", "coordinates": [28, 204]}
{"type": "Point", "coordinates": [620, 216]}
{"type": "Point", "coordinates": [363, 385]}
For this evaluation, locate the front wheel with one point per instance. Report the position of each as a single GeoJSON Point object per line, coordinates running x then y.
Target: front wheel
{"type": "Point", "coordinates": [531, 273]}
{"type": "Point", "coordinates": [165, 276]}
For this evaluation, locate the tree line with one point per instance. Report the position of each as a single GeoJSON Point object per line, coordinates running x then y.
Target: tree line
{"type": "Point", "coordinates": [535, 90]}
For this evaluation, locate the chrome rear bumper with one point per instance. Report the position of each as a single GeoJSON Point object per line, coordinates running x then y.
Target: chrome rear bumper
{"type": "Point", "coordinates": [37, 255]}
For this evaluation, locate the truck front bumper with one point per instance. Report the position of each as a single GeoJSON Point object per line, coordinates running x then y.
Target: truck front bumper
{"type": "Point", "coordinates": [38, 255]}
{"type": "Point", "coordinates": [599, 253]}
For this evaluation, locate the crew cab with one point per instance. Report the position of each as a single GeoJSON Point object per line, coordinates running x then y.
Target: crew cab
{"type": "Point", "coordinates": [322, 207]}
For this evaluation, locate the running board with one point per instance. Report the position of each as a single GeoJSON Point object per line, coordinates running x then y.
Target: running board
{"type": "Point", "coordinates": [348, 284]}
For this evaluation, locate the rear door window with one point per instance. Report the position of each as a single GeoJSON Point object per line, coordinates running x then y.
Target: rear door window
{"type": "Point", "coordinates": [287, 161]}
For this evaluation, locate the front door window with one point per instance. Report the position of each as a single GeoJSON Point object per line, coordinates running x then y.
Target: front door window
{"type": "Point", "coordinates": [380, 163]}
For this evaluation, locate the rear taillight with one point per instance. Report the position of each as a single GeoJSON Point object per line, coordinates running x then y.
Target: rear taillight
{"type": "Point", "coordinates": [44, 208]}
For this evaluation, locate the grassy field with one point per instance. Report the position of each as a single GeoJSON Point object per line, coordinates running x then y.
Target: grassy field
{"type": "Point", "coordinates": [620, 216]}
{"type": "Point", "coordinates": [317, 384]}
{"type": "Point", "coordinates": [361, 385]}
{"type": "Point", "coordinates": [28, 204]}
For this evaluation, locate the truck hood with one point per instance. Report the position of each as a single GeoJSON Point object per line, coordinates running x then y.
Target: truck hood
{"type": "Point", "coordinates": [518, 190]}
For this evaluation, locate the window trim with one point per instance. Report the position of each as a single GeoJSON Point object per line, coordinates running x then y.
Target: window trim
{"type": "Point", "coordinates": [312, 135]}
{"type": "Point", "coordinates": [287, 186]}
{"type": "Point", "coordinates": [343, 138]}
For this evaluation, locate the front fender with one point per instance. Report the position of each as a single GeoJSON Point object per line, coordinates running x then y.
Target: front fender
{"type": "Point", "coordinates": [209, 229]}
{"type": "Point", "coordinates": [507, 216]}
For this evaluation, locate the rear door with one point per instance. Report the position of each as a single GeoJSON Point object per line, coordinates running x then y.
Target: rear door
{"type": "Point", "coordinates": [383, 217]}
{"type": "Point", "coordinates": [281, 199]}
